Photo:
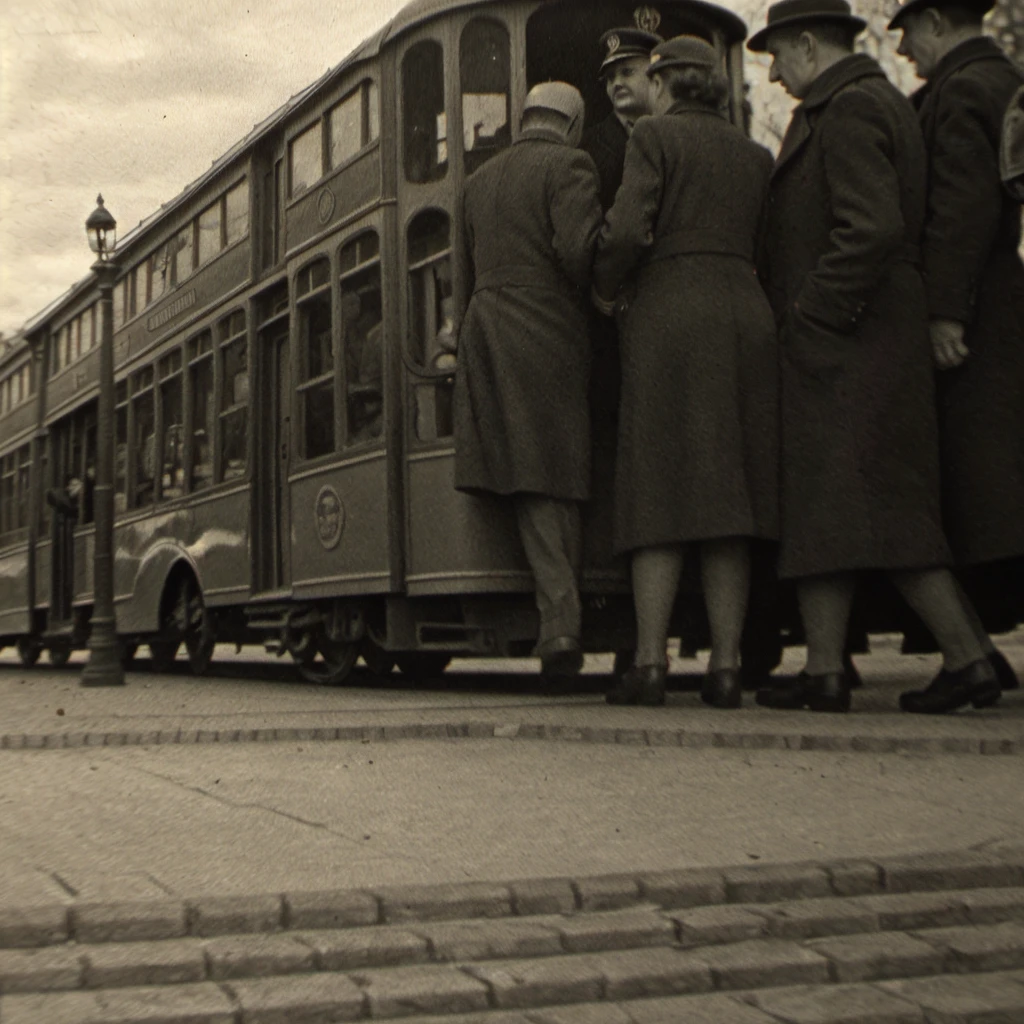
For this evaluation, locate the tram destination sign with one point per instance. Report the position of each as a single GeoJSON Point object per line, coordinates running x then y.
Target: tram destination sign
{"type": "Point", "coordinates": [171, 310]}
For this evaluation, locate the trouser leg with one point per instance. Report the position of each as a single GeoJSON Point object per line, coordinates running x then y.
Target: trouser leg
{"type": "Point", "coordinates": [552, 539]}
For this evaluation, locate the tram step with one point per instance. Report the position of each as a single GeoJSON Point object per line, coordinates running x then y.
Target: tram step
{"type": "Point", "coordinates": [769, 955]}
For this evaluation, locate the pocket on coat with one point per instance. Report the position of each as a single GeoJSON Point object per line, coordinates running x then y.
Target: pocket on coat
{"type": "Point", "coordinates": [814, 349]}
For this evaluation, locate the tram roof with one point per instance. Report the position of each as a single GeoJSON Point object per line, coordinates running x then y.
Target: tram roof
{"type": "Point", "coordinates": [412, 14]}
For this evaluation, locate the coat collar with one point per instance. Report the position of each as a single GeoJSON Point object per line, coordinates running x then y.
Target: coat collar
{"type": "Point", "coordinates": [541, 135]}
{"type": "Point", "coordinates": [825, 86]}
{"type": "Point", "coordinates": [969, 51]}
{"type": "Point", "coordinates": [692, 107]}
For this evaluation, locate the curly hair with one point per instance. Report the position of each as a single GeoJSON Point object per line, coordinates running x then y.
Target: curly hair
{"type": "Point", "coordinates": [707, 86]}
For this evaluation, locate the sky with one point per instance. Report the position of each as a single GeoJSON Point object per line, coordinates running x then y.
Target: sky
{"type": "Point", "coordinates": [136, 98]}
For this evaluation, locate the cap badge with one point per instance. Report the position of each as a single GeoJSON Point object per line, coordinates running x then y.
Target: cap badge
{"type": "Point", "coordinates": [647, 19]}
{"type": "Point", "coordinates": [613, 44]}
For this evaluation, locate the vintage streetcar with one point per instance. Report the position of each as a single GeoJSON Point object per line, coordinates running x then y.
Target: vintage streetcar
{"type": "Point", "coordinates": [284, 338]}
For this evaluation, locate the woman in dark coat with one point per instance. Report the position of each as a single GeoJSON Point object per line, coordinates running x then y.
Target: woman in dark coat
{"type": "Point", "coordinates": [698, 430]}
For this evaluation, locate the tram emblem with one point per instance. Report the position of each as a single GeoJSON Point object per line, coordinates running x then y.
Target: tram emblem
{"type": "Point", "coordinates": [329, 514]}
{"type": "Point", "coordinates": [325, 205]}
{"type": "Point", "coordinates": [647, 18]}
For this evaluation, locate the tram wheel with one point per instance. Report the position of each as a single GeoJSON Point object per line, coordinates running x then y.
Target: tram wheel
{"type": "Point", "coordinates": [196, 626]}
{"type": "Point", "coordinates": [162, 654]}
{"type": "Point", "coordinates": [128, 654]}
{"type": "Point", "coordinates": [378, 661]}
{"type": "Point", "coordinates": [422, 663]}
{"type": "Point", "coordinates": [334, 664]}
{"type": "Point", "coordinates": [29, 650]}
{"type": "Point", "coordinates": [59, 652]}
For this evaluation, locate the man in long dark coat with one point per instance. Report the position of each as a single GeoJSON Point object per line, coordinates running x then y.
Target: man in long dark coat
{"type": "Point", "coordinates": [975, 281]}
{"type": "Point", "coordinates": [860, 468]}
{"type": "Point", "coordinates": [522, 423]}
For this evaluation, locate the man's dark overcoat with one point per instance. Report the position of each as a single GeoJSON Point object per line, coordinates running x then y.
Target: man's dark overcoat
{"type": "Point", "coordinates": [521, 418]}
{"type": "Point", "coordinates": [860, 468]}
{"type": "Point", "coordinates": [698, 423]}
{"type": "Point", "coordinates": [606, 144]}
{"type": "Point", "coordinates": [975, 276]}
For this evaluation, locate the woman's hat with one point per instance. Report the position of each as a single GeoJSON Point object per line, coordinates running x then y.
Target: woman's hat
{"type": "Point", "coordinates": [794, 12]}
{"type": "Point", "coordinates": [682, 52]}
{"type": "Point", "coordinates": [911, 6]}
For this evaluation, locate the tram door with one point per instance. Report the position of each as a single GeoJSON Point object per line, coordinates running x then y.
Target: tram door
{"type": "Point", "coordinates": [274, 440]}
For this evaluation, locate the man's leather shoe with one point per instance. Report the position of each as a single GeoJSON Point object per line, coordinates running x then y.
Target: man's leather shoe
{"type": "Point", "coordinates": [643, 684]}
{"type": "Point", "coordinates": [828, 692]}
{"type": "Point", "coordinates": [1005, 675]}
{"type": "Point", "coordinates": [560, 656]}
{"type": "Point", "coordinates": [722, 688]}
{"type": "Point", "coordinates": [973, 684]}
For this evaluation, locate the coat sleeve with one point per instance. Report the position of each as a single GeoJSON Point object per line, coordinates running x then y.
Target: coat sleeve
{"type": "Point", "coordinates": [868, 226]}
{"type": "Point", "coordinates": [576, 216]}
{"type": "Point", "coordinates": [965, 197]}
{"type": "Point", "coordinates": [628, 230]}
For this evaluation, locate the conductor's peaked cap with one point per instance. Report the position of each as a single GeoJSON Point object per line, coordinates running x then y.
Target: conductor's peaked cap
{"type": "Point", "coordinates": [561, 97]}
{"type": "Point", "coordinates": [798, 12]}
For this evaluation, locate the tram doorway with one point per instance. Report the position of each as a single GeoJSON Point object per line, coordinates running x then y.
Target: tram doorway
{"type": "Point", "coordinates": [273, 453]}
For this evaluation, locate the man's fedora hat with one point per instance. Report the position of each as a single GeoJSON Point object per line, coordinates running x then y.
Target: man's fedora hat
{"type": "Point", "coordinates": [794, 12]}
{"type": "Point", "coordinates": [622, 43]}
{"type": "Point", "coordinates": [912, 6]}
{"type": "Point", "coordinates": [682, 52]}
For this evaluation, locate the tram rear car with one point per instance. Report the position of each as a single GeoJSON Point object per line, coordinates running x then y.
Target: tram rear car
{"type": "Point", "coordinates": [284, 337]}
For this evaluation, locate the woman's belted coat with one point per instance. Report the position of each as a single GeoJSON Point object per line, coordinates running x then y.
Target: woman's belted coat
{"type": "Point", "coordinates": [698, 421]}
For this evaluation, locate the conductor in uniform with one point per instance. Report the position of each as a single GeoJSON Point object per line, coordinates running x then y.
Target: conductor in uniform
{"type": "Point", "coordinates": [522, 422]}
{"type": "Point", "coordinates": [859, 451]}
{"type": "Point", "coordinates": [624, 76]}
{"type": "Point", "coordinates": [975, 282]}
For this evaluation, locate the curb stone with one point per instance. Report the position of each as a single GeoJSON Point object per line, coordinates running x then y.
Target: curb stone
{"type": "Point", "coordinates": [941, 874]}
{"type": "Point", "coordinates": [659, 737]}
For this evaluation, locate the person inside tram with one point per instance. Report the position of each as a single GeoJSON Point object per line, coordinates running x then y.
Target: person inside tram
{"type": "Point", "coordinates": [696, 469]}
{"type": "Point", "coordinates": [361, 315]}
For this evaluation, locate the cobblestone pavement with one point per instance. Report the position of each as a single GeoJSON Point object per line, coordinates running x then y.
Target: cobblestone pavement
{"type": "Point", "coordinates": [245, 848]}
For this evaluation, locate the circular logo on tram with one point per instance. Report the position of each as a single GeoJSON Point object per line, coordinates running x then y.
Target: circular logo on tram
{"type": "Point", "coordinates": [325, 205]}
{"type": "Point", "coordinates": [329, 514]}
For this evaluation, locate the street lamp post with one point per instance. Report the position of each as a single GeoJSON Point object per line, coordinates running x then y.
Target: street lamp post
{"type": "Point", "coordinates": [104, 666]}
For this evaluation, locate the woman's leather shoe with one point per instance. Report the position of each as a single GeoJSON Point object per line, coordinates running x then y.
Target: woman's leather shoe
{"type": "Point", "coordinates": [560, 656]}
{"type": "Point", "coordinates": [827, 692]}
{"type": "Point", "coordinates": [722, 688]}
{"type": "Point", "coordinates": [973, 684]}
{"type": "Point", "coordinates": [644, 684]}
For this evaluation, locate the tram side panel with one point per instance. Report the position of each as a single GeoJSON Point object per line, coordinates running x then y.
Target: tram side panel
{"type": "Point", "coordinates": [15, 509]}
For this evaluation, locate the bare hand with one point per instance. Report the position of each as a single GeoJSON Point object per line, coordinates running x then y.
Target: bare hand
{"type": "Point", "coordinates": [948, 343]}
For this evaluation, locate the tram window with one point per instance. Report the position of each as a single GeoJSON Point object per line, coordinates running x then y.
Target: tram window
{"type": "Point", "coordinates": [24, 489]}
{"type": "Point", "coordinates": [316, 346]}
{"type": "Point", "coordinates": [431, 320]}
{"type": "Point", "coordinates": [7, 484]}
{"type": "Point", "coordinates": [236, 212]}
{"type": "Point", "coordinates": [234, 404]}
{"type": "Point", "coordinates": [143, 448]}
{"type": "Point", "coordinates": [159, 269]}
{"type": "Point", "coordinates": [306, 160]}
{"type": "Point", "coordinates": [121, 447]}
{"type": "Point", "coordinates": [184, 246]}
{"type": "Point", "coordinates": [345, 128]}
{"type": "Point", "coordinates": [372, 112]}
{"type": "Point", "coordinates": [68, 335]}
{"type": "Point", "coordinates": [209, 233]}
{"type": "Point", "coordinates": [120, 291]}
{"type": "Point", "coordinates": [201, 427]}
{"type": "Point", "coordinates": [362, 342]}
{"type": "Point", "coordinates": [423, 113]}
{"type": "Point", "coordinates": [44, 466]}
{"type": "Point", "coordinates": [172, 471]}
{"type": "Point", "coordinates": [85, 502]}
{"type": "Point", "coordinates": [76, 341]}
{"type": "Point", "coordinates": [484, 71]}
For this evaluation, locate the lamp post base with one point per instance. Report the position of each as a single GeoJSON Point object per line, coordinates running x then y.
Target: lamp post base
{"type": "Point", "coordinates": [104, 666]}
